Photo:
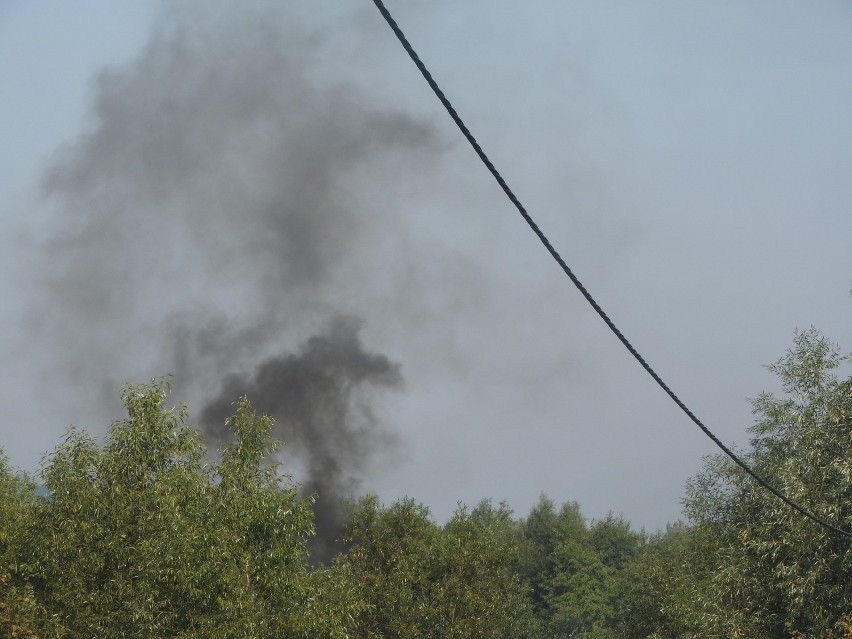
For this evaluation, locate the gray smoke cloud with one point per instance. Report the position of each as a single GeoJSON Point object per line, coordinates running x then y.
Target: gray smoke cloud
{"type": "Point", "coordinates": [214, 217]}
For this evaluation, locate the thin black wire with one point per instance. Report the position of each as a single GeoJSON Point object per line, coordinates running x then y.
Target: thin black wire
{"type": "Point", "coordinates": [565, 268]}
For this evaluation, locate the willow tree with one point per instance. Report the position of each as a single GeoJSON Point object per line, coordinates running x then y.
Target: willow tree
{"type": "Point", "coordinates": [421, 580]}
{"type": "Point", "coordinates": [777, 573]}
{"type": "Point", "coordinates": [140, 537]}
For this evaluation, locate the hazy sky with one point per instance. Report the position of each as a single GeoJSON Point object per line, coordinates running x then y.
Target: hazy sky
{"type": "Point", "coordinates": [195, 189]}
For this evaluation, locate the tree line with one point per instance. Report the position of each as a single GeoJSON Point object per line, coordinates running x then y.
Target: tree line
{"type": "Point", "coordinates": [143, 536]}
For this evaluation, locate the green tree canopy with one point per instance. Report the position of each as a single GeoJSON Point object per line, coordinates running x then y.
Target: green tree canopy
{"type": "Point", "coordinates": [423, 580]}
{"type": "Point", "coordinates": [140, 538]}
{"type": "Point", "coordinates": [778, 574]}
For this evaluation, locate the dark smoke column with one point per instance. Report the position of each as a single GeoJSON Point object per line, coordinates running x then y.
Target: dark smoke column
{"type": "Point", "coordinates": [317, 398]}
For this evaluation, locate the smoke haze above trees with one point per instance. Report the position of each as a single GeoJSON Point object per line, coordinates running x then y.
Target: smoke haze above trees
{"type": "Point", "coordinates": [155, 541]}
{"type": "Point", "coordinates": [648, 142]}
{"type": "Point", "coordinates": [212, 216]}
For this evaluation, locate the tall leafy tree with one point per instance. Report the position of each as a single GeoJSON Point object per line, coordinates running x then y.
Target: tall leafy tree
{"type": "Point", "coordinates": [426, 581]}
{"type": "Point", "coordinates": [537, 539]}
{"type": "Point", "coordinates": [617, 545]}
{"type": "Point", "coordinates": [140, 538]}
{"type": "Point", "coordinates": [615, 541]}
{"type": "Point", "coordinates": [477, 584]}
{"type": "Point", "coordinates": [777, 573]}
{"type": "Point", "coordinates": [573, 570]}
{"type": "Point", "coordinates": [20, 614]}
{"type": "Point", "coordinates": [579, 587]}
{"type": "Point", "coordinates": [664, 586]}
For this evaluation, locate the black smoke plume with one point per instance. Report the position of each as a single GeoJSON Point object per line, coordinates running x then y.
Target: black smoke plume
{"type": "Point", "coordinates": [217, 210]}
{"type": "Point", "coordinates": [319, 399]}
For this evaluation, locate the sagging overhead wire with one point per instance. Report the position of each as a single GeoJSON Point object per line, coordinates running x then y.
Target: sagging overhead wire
{"type": "Point", "coordinates": [567, 270]}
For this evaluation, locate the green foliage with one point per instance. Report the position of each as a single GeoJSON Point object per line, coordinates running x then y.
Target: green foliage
{"type": "Point", "coordinates": [579, 590]}
{"type": "Point", "coordinates": [614, 541]}
{"type": "Point", "coordinates": [141, 539]}
{"type": "Point", "coordinates": [663, 585]}
{"type": "Point", "coordinates": [20, 614]}
{"type": "Point", "coordinates": [390, 556]}
{"type": "Point", "coordinates": [573, 570]}
{"type": "Point", "coordinates": [422, 580]}
{"type": "Point", "coordinates": [476, 582]}
{"type": "Point", "coordinates": [778, 574]}
{"type": "Point", "coordinates": [537, 539]}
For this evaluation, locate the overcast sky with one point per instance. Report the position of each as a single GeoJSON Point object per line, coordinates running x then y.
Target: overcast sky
{"type": "Point", "coordinates": [195, 189]}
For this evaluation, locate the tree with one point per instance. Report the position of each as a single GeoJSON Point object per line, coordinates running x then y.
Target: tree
{"type": "Point", "coordinates": [663, 586]}
{"type": "Point", "coordinates": [537, 539]}
{"type": "Point", "coordinates": [390, 554]}
{"type": "Point", "coordinates": [614, 541]}
{"type": "Point", "coordinates": [777, 573]}
{"type": "Point", "coordinates": [573, 571]}
{"type": "Point", "coordinates": [20, 613]}
{"type": "Point", "coordinates": [426, 581]}
{"type": "Point", "coordinates": [141, 538]}
{"type": "Point", "coordinates": [477, 585]}
{"type": "Point", "coordinates": [617, 545]}
{"type": "Point", "coordinates": [579, 586]}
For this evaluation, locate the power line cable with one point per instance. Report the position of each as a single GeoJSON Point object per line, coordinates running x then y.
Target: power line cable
{"type": "Point", "coordinates": [567, 270]}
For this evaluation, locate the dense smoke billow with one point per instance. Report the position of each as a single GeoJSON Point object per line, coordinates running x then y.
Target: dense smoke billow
{"type": "Point", "coordinates": [319, 399]}
{"type": "Point", "coordinates": [213, 220]}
